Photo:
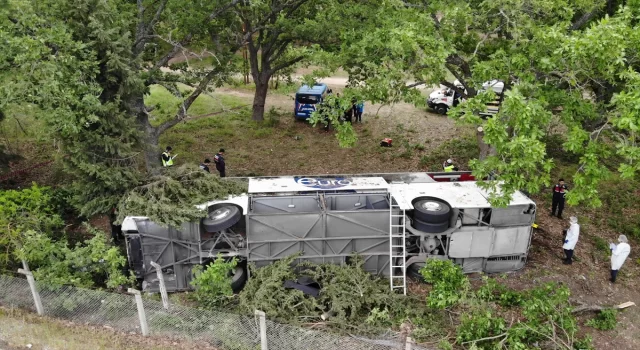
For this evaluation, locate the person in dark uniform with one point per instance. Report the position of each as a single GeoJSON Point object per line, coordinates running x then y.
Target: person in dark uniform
{"type": "Point", "coordinates": [348, 114]}
{"type": "Point", "coordinates": [205, 165]}
{"type": "Point", "coordinates": [559, 191]}
{"type": "Point", "coordinates": [219, 160]}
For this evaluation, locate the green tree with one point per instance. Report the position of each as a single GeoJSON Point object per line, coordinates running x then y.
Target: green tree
{"type": "Point", "coordinates": [31, 209]}
{"type": "Point", "coordinates": [568, 66]}
{"type": "Point", "coordinates": [87, 65]}
{"type": "Point", "coordinates": [292, 32]}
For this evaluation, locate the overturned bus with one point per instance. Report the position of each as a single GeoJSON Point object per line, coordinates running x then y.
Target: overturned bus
{"type": "Point", "coordinates": [395, 222]}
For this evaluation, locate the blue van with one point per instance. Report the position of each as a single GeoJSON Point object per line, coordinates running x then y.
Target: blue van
{"type": "Point", "coordinates": [307, 98]}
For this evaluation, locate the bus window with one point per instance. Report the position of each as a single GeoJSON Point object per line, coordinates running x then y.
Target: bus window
{"type": "Point", "coordinates": [307, 99]}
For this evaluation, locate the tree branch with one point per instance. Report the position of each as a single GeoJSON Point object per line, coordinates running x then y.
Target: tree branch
{"type": "Point", "coordinates": [184, 107]}
{"type": "Point", "coordinates": [279, 50]}
{"type": "Point", "coordinates": [584, 19]}
{"type": "Point", "coordinates": [286, 64]}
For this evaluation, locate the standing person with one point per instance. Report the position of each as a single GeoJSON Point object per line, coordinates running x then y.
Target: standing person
{"type": "Point", "coordinates": [205, 165]}
{"type": "Point", "coordinates": [359, 110]}
{"type": "Point", "coordinates": [448, 166]}
{"type": "Point", "coordinates": [570, 240]}
{"type": "Point", "coordinates": [559, 191]}
{"type": "Point", "coordinates": [619, 254]}
{"type": "Point", "coordinates": [219, 160]}
{"type": "Point", "coordinates": [348, 114]}
{"type": "Point", "coordinates": [167, 158]}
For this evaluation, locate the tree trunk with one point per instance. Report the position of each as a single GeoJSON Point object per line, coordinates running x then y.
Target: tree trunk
{"type": "Point", "coordinates": [152, 151]}
{"type": "Point", "coordinates": [260, 97]}
{"type": "Point", "coordinates": [486, 150]}
{"type": "Point", "coordinates": [150, 141]}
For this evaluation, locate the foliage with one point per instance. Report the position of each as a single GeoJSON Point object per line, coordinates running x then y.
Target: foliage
{"type": "Point", "coordinates": [566, 65]}
{"type": "Point", "coordinates": [264, 291]}
{"type": "Point", "coordinates": [378, 318]}
{"type": "Point", "coordinates": [546, 317]}
{"type": "Point", "coordinates": [494, 291]}
{"type": "Point", "coordinates": [354, 299]}
{"type": "Point", "coordinates": [450, 285]}
{"type": "Point", "coordinates": [478, 325]}
{"type": "Point", "coordinates": [617, 193]}
{"type": "Point", "coordinates": [87, 65]}
{"type": "Point", "coordinates": [31, 209]}
{"type": "Point", "coordinates": [91, 263]}
{"type": "Point", "coordinates": [213, 283]}
{"type": "Point", "coordinates": [171, 197]}
{"type": "Point", "coordinates": [605, 320]}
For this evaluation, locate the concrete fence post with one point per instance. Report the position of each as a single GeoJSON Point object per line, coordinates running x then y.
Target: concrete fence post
{"type": "Point", "coordinates": [263, 329]}
{"type": "Point", "coordinates": [163, 288]}
{"type": "Point", "coordinates": [408, 344]}
{"type": "Point", "coordinates": [141, 315]}
{"type": "Point", "coordinates": [34, 291]}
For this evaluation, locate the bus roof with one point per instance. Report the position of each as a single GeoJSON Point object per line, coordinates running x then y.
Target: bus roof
{"type": "Point", "coordinates": [317, 89]}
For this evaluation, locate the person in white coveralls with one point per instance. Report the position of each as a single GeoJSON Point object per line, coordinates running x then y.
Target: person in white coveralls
{"type": "Point", "coordinates": [570, 240]}
{"type": "Point", "coordinates": [619, 254]}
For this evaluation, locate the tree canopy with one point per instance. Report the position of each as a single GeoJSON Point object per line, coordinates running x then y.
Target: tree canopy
{"type": "Point", "coordinates": [569, 67]}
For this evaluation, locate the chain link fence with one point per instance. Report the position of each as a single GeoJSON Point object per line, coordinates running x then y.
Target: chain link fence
{"type": "Point", "coordinates": [223, 330]}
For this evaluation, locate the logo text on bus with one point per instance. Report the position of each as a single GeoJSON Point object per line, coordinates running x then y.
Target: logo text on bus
{"type": "Point", "coordinates": [324, 183]}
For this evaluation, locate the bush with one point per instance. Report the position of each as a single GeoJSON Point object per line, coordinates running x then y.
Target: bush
{"type": "Point", "coordinates": [449, 283]}
{"type": "Point", "coordinates": [493, 291]}
{"type": "Point", "coordinates": [213, 284]}
{"type": "Point", "coordinates": [478, 325]}
{"type": "Point", "coordinates": [605, 320]}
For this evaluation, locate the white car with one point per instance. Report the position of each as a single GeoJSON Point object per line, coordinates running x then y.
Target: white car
{"type": "Point", "coordinates": [444, 98]}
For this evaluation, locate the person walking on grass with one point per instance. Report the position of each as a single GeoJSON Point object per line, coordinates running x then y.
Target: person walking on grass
{"type": "Point", "coordinates": [619, 253]}
{"type": "Point", "coordinates": [359, 110]}
{"type": "Point", "coordinates": [570, 240]}
{"type": "Point", "coordinates": [219, 160]}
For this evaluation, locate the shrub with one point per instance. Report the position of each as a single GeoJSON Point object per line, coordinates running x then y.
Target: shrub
{"type": "Point", "coordinates": [605, 320]}
{"type": "Point", "coordinates": [213, 284]}
{"type": "Point", "coordinates": [478, 325]}
{"type": "Point", "coordinates": [493, 291]}
{"type": "Point", "coordinates": [449, 283]}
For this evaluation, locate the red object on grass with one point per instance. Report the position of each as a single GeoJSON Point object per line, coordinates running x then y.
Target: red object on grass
{"type": "Point", "coordinates": [386, 142]}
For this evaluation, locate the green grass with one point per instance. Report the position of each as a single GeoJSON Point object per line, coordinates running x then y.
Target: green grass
{"type": "Point", "coordinates": [166, 104]}
{"type": "Point", "coordinates": [462, 150]}
{"type": "Point", "coordinates": [284, 87]}
{"type": "Point", "coordinates": [20, 328]}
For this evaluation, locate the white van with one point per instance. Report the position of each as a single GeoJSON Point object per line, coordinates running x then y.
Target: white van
{"type": "Point", "coordinates": [444, 98]}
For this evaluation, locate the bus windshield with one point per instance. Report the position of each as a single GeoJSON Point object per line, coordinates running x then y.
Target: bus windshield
{"type": "Point", "coordinates": [308, 99]}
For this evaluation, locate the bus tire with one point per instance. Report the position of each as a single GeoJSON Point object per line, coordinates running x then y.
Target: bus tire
{"type": "Point", "coordinates": [222, 218]}
{"type": "Point", "coordinates": [430, 228]}
{"type": "Point", "coordinates": [413, 271]}
{"type": "Point", "coordinates": [431, 210]}
{"type": "Point", "coordinates": [239, 278]}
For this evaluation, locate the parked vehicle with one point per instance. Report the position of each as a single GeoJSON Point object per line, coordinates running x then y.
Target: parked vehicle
{"type": "Point", "coordinates": [394, 221]}
{"type": "Point", "coordinates": [307, 99]}
{"type": "Point", "coordinates": [442, 99]}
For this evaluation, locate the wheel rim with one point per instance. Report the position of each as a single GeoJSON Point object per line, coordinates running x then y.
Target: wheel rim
{"type": "Point", "coordinates": [220, 214]}
{"type": "Point", "coordinates": [431, 206]}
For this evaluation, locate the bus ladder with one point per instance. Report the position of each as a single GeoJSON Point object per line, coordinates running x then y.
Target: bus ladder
{"type": "Point", "coordinates": [397, 248]}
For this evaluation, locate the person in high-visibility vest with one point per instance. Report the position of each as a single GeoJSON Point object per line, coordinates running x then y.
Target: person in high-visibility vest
{"type": "Point", "coordinates": [448, 166]}
{"type": "Point", "coordinates": [167, 159]}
